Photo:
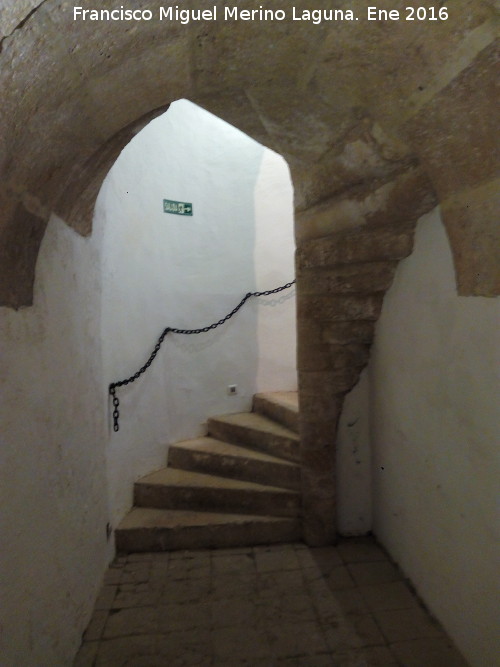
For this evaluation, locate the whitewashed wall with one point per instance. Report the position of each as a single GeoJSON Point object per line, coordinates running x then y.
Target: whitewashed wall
{"type": "Point", "coordinates": [53, 500]}
{"type": "Point", "coordinates": [434, 377]}
{"type": "Point", "coordinates": [167, 270]}
{"type": "Point", "coordinates": [274, 265]}
{"type": "Point", "coordinates": [354, 462]}
{"type": "Point", "coordinates": [140, 271]}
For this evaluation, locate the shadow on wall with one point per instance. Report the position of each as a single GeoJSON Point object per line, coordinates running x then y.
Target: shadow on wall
{"type": "Point", "coordinates": [162, 269]}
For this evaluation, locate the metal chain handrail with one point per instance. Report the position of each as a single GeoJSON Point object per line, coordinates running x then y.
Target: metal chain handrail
{"type": "Point", "coordinates": [114, 385]}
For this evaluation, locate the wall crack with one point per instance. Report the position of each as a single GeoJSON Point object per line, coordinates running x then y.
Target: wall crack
{"type": "Point", "coordinates": [21, 24]}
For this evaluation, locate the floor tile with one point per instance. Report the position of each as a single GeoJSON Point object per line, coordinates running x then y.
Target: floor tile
{"type": "Point", "coordinates": [285, 609]}
{"type": "Point", "coordinates": [328, 609]}
{"type": "Point", "coordinates": [240, 643]}
{"type": "Point", "coordinates": [372, 656]}
{"type": "Point", "coordinates": [350, 601]}
{"type": "Point", "coordinates": [360, 549]}
{"type": "Point", "coordinates": [191, 553]}
{"type": "Point", "coordinates": [288, 640]}
{"type": "Point", "coordinates": [124, 650]}
{"type": "Point", "coordinates": [235, 564]}
{"type": "Point", "coordinates": [135, 573]}
{"type": "Point", "coordinates": [186, 648]}
{"type": "Point", "coordinates": [243, 662]}
{"type": "Point", "coordinates": [230, 586]}
{"type": "Point", "coordinates": [325, 558]}
{"type": "Point", "coordinates": [338, 578]}
{"type": "Point", "coordinates": [378, 572]}
{"type": "Point", "coordinates": [187, 568]}
{"type": "Point", "coordinates": [183, 616]}
{"type": "Point", "coordinates": [234, 611]}
{"type": "Point", "coordinates": [394, 595]}
{"type": "Point", "coordinates": [351, 633]}
{"type": "Point", "coordinates": [132, 621]}
{"type": "Point", "coordinates": [276, 561]}
{"type": "Point", "coordinates": [429, 652]}
{"type": "Point", "coordinates": [186, 590]}
{"type": "Point", "coordinates": [216, 553]}
{"type": "Point", "coordinates": [145, 557]}
{"type": "Point", "coordinates": [136, 595]}
{"type": "Point", "coordinates": [334, 604]}
{"type": "Point", "coordinates": [282, 583]}
{"type": "Point", "coordinates": [265, 606]}
{"type": "Point", "coordinates": [277, 547]}
{"type": "Point", "coordinates": [160, 557]}
{"type": "Point", "coordinates": [400, 624]}
{"type": "Point", "coordinates": [306, 661]}
{"type": "Point", "coordinates": [159, 573]}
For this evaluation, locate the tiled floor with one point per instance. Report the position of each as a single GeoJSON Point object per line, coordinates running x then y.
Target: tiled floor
{"type": "Point", "coordinates": [282, 605]}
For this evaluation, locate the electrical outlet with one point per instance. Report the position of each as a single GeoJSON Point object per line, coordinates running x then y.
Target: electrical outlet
{"type": "Point", "coordinates": [232, 389]}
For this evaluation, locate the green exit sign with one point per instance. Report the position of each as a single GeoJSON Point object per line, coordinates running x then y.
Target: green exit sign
{"type": "Point", "coordinates": [177, 207]}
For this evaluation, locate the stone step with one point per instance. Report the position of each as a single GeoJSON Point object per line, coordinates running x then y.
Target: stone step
{"type": "Point", "coordinates": [211, 456]}
{"type": "Point", "coordinates": [181, 489]}
{"type": "Point", "coordinates": [280, 406]}
{"type": "Point", "coordinates": [167, 530]}
{"type": "Point", "coordinates": [256, 431]}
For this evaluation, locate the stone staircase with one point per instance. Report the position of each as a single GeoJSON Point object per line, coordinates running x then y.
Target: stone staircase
{"type": "Point", "coordinates": [237, 486]}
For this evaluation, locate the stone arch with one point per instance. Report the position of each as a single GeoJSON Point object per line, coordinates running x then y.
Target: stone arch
{"type": "Point", "coordinates": [95, 84]}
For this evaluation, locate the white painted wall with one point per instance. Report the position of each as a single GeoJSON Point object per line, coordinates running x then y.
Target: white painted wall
{"type": "Point", "coordinates": [274, 265]}
{"type": "Point", "coordinates": [434, 385]}
{"type": "Point", "coordinates": [354, 462]}
{"type": "Point", "coordinates": [53, 502]}
{"type": "Point", "coordinates": [166, 270]}
{"type": "Point", "coordinates": [140, 271]}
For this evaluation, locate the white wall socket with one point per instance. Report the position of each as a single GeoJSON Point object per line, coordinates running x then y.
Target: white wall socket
{"type": "Point", "coordinates": [232, 389]}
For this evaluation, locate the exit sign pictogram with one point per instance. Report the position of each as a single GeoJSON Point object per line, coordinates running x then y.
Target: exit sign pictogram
{"type": "Point", "coordinates": [177, 207]}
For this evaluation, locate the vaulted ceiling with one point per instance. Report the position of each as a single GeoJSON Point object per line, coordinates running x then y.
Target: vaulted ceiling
{"type": "Point", "coordinates": [378, 119]}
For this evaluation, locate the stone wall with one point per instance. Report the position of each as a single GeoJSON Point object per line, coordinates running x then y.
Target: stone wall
{"type": "Point", "coordinates": [341, 281]}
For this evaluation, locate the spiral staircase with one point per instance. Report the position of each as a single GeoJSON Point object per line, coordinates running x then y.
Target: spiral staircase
{"type": "Point", "coordinates": [237, 486]}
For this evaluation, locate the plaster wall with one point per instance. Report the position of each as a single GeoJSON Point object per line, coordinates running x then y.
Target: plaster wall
{"type": "Point", "coordinates": [53, 504]}
{"type": "Point", "coordinates": [164, 270]}
{"type": "Point", "coordinates": [274, 265]}
{"type": "Point", "coordinates": [434, 385]}
{"type": "Point", "coordinates": [354, 462]}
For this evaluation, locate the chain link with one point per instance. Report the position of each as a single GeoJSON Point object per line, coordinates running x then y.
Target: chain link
{"type": "Point", "coordinates": [114, 385]}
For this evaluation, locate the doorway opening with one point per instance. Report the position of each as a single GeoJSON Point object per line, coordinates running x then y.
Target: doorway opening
{"type": "Point", "coordinates": [193, 215]}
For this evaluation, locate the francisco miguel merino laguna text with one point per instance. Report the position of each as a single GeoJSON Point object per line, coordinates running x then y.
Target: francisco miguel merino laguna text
{"type": "Point", "coordinates": [227, 14]}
